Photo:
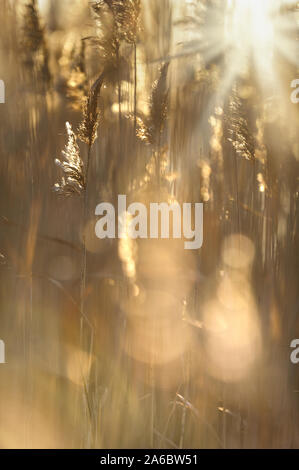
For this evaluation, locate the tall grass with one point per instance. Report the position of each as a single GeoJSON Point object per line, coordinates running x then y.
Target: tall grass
{"type": "Point", "coordinates": [121, 343]}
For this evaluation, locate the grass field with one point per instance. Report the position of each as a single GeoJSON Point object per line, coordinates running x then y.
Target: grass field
{"type": "Point", "coordinates": [123, 343]}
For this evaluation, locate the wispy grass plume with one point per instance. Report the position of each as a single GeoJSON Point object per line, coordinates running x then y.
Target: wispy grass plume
{"type": "Point", "coordinates": [73, 181]}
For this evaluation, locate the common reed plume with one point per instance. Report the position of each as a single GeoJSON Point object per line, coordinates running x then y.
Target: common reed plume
{"type": "Point", "coordinates": [111, 31]}
{"type": "Point", "coordinates": [239, 132]}
{"type": "Point", "coordinates": [124, 15]}
{"type": "Point", "coordinates": [73, 181]}
{"type": "Point", "coordinates": [87, 131]}
{"type": "Point", "coordinates": [34, 43]}
{"type": "Point", "coordinates": [149, 130]}
{"type": "Point", "coordinates": [117, 21]}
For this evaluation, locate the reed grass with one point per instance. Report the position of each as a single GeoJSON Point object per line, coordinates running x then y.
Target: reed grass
{"type": "Point", "coordinates": [108, 343]}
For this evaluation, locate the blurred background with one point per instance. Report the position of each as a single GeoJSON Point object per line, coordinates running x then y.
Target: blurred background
{"type": "Point", "coordinates": [141, 343]}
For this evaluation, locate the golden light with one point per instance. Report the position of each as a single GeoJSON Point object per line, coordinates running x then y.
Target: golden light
{"type": "Point", "coordinates": [231, 319]}
{"type": "Point", "coordinates": [256, 32]}
{"type": "Point", "coordinates": [247, 37]}
{"type": "Point", "coordinates": [250, 23]}
{"type": "Point", "coordinates": [233, 330]}
{"type": "Point", "coordinates": [250, 27]}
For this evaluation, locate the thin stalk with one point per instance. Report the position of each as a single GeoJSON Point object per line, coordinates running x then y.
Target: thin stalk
{"type": "Point", "coordinates": [118, 88]}
{"type": "Point", "coordinates": [135, 87]}
{"type": "Point", "coordinates": [83, 272]}
{"type": "Point", "coordinates": [83, 266]}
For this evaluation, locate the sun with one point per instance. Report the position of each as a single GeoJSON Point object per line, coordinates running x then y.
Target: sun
{"type": "Point", "coordinates": [245, 33]}
{"type": "Point", "coordinates": [261, 27]}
